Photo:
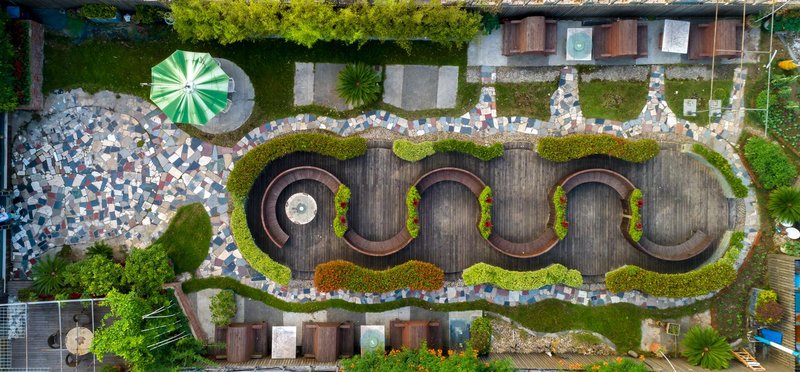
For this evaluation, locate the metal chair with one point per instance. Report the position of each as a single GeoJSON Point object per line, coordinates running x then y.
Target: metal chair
{"type": "Point", "coordinates": [227, 107]}
{"type": "Point", "coordinates": [231, 85]}
{"type": "Point", "coordinates": [71, 360]}
{"type": "Point", "coordinates": [81, 319]}
{"type": "Point", "coordinates": [54, 340]}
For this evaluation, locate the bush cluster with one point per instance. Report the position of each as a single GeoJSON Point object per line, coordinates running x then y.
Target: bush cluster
{"type": "Point", "coordinates": [306, 21]}
{"type": "Point", "coordinates": [223, 308]}
{"type": "Point", "coordinates": [259, 260]}
{"type": "Point", "coordinates": [415, 275]}
{"type": "Point", "coordinates": [636, 203]}
{"type": "Point", "coordinates": [8, 98]}
{"type": "Point", "coordinates": [342, 205]}
{"type": "Point", "coordinates": [416, 151]}
{"type": "Point", "coordinates": [15, 72]}
{"type": "Point", "coordinates": [480, 335]}
{"type": "Point", "coordinates": [617, 365]}
{"type": "Point", "coordinates": [560, 203]}
{"type": "Point", "coordinates": [423, 359]}
{"type": "Point", "coordinates": [576, 146]}
{"type": "Point", "coordinates": [486, 200]}
{"type": "Point", "coordinates": [482, 273]}
{"type": "Point", "coordinates": [98, 11]}
{"type": "Point", "coordinates": [148, 14]}
{"type": "Point", "coordinates": [719, 162]}
{"type": "Point", "coordinates": [788, 20]}
{"type": "Point", "coordinates": [412, 151]}
{"type": "Point", "coordinates": [413, 199]}
{"type": "Point", "coordinates": [709, 278]}
{"type": "Point", "coordinates": [246, 170]}
{"type": "Point", "coordinates": [768, 310]}
{"type": "Point", "coordinates": [770, 164]}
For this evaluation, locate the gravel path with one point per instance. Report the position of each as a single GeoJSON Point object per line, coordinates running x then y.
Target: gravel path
{"type": "Point", "coordinates": [699, 72]}
{"type": "Point", "coordinates": [617, 73]}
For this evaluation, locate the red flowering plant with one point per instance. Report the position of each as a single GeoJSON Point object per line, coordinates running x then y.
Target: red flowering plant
{"type": "Point", "coordinates": [560, 203]}
{"type": "Point", "coordinates": [342, 203]}
{"type": "Point", "coordinates": [412, 205]}
{"type": "Point", "coordinates": [636, 202]}
{"type": "Point", "coordinates": [485, 224]}
{"type": "Point", "coordinates": [416, 275]}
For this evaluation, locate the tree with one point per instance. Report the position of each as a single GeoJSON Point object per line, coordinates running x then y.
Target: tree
{"type": "Point", "coordinates": [96, 275]}
{"type": "Point", "coordinates": [124, 337]}
{"type": "Point", "coordinates": [146, 270]}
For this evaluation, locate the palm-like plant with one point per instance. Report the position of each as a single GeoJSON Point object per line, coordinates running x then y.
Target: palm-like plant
{"type": "Point", "coordinates": [706, 348]}
{"type": "Point", "coordinates": [784, 204]}
{"type": "Point", "coordinates": [100, 249]}
{"type": "Point", "coordinates": [48, 274]}
{"type": "Point", "coordinates": [359, 84]}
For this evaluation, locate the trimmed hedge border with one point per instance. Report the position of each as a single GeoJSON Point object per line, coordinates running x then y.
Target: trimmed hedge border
{"type": "Point", "coordinates": [412, 151]}
{"type": "Point", "coordinates": [416, 151]}
{"type": "Point", "coordinates": [709, 278]}
{"type": "Point", "coordinates": [485, 224]}
{"type": "Point", "coordinates": [259, 260]}
{"type": "Point", "coordinates": [415, 275]}
{"type": "Point", "coordinates": [560, 203]}
{"type": "Point", "coordinates": [636, 203]}
{"type": "Point", "coordinates": [719, 162]}
{"type": "Point", "coordinates": [342, 204]}
{"type": "Point", "coordinates": [482, 273]}
{"type": "Point", "coordinates": [576, 146]}
{"type": "Point", "coordinates": [413, 199]}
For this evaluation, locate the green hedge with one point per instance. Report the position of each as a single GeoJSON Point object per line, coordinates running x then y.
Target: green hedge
{"type": "Point", "coordinates": [709, 278]}
{"type": "Point", "coordinates": [719, 162]}
{"type": "Point", "coordinates": [770, 164]}
{"type": "Point", "coordinates": [412, 151]}
{"type": "Point", "coordinates": [246, 170]}
{"type": "Point", "coordinates": [482, 273]}
{"type": "Point", "coordinates": [635, 228]}
{"type": "Point", "coordinates": [412, 204]}
{"type": "Point", "coordinates": [339, 274]}
{"type": "Point", "coordinates": [342, 204]}
{"type": "Point", "coordinates": [259, 260]}
{"type": "Point", "coordinates": [560, 202]}
{"type": "Point", "coordinates": [416, 151]}
{"type": "Point", "coordinates": [486, 200]}
{"type": "Point", "coordinates": [576, 146]}
{"type": "Point", "coordinates": [98, 11]}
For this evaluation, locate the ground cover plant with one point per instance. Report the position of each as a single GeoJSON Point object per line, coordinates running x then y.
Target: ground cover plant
{"type": "Point", "coordinates": [614, 100]}
{"type": "Point", "coordinates": [482, 273]}
{"type": "Point", "coordinates": [485, 223]}
{"type": "Point", "coordinates": [416, 151]}
{"type": "Point", "coordinates": [704, 347]}
{"type": "Point", "coordinates": [560, 203]}
{"type": "Point", "coordinates": [783, 120]}
{"type": "Point", "coordinates": [413, 199]}
{"type": "Point", "coordinates": [635, 226]}
{"type": "Point", "coordinates": [770, 164]}
{"type": "Point", "coordinates": [188, 237]}
{"type": "Point", "coordinates": [416, 275]}
{"type": "Point", "coordinates": [531, 100]}
{"type": "Point", "coordinates": [423, 359]}
{"type": "Point", "coordinates": [719, 162]}
{"type": "Point", "coordinates": [617, 365]}
{"type": "Point", "coordinates": [342, 204]}
{"type": "Point", "coordinates": [576, 146]}
{"type": "Point", "coordinates": [675, 91]}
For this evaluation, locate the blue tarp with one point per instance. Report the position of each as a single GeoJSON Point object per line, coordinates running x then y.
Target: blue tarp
{"type": "Point", "coordinates": [772, 336]}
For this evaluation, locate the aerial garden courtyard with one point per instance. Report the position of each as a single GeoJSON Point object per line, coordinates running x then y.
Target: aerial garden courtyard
{"type": "Point", "coordinates": [193, 195]}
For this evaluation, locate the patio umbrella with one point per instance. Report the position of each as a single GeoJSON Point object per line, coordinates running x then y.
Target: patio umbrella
{"type": "Point", "coordinates": [189, 87]}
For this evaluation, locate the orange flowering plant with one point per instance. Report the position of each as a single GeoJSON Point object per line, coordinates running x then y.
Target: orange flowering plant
{"type": "Point", "coordinates": [339, 274]}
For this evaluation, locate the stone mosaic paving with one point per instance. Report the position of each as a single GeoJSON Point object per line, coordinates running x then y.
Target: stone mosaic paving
{"type": "Point", "coordinates": [100, 167]}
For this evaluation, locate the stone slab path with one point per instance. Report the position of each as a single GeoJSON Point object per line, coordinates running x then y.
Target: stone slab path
{"type": "Point", "coordinates": [420, 87]}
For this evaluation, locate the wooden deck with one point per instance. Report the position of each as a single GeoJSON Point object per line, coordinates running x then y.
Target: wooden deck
{"type": "Point", "coordinates": [681, 196]}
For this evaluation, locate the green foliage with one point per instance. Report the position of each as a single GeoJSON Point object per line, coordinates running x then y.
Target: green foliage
{"type": "Point", "coordinates": [8, 98]}
{"type": "Point", "coordinates": [48, 274]}
{"type": "Point", "coordinates": [482, 273]}
{"type": "Point", "coordinates": [485, 224]}
{"type": "Point", "coordinates": [675, 91]}
{"type": "Point", "coordinates": [560, 204]}
{"type": "Point", "coordinates": [188, 237]}
{"type": "Point", "coordinates": [719, 162]}
{"type": "Point", "coordinates": [704, 347]}
{"type": "Point", "coordinates": [791, 248]}
{"type": "Point", "coordinates": [788, 20]}
{"type": "Point", "coordinates": [480, 335]}
{"type": "Point", "coordinates": [531, 100]}
{"type": "Point", "coordinates": [709, 278]}
{"type": "Point", "coordinates": [98, 11]}
{"type": "Point", "coordinates": [416, 275]}
{"type": "Point", "coordinates": [66, 253]}
{"type": "Point", "coordinates": [615, 100]}
{"type": "Point", "coordinates": [359, 85]}
{"type": "Point", "coordinates": [246, 170]}
{"type": "Point", "coordinates": [146, 270]}
{"type": "Point", "coordinates": [768, 311]}
{"type": "Point", "coordinates": [770, 164]}
{"type": "Point", "coordinates": [307, 21]}
{"type": "Point", "coordinates": [576, 146]}
{"type": "Point", "coordinates": [96, 276]}
{"type": "Point", "coordinates": [784, 204]}
{"type": "Point", "coordinates": [635, 226]}
{"type": "Point", "coordinates": [100, 248]}
{"type": "Point", "coordinates": [223, 308]}
{"type": "Point", "coordinates": [147, 14]}
{"type": "Point", "coordinates": [617, 365]}
{"type": "Point", "coordinates": [412, 151]}
{"type": "Point", "coordinates": [413, 199]}
{"type": "Point", "coordinates": [489, 22]}
{"type": "Point", "coordinates": [484, 153]}
{"type": "Point", "coordinates": [423, 359]}
{"type": "Point", "coordinates": [257, 259]}
{"type": "Point", "coordinates": [342, 204]}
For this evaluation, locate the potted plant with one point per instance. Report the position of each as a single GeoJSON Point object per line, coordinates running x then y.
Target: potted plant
{"type": "Point", "coordinates": [100, 13]}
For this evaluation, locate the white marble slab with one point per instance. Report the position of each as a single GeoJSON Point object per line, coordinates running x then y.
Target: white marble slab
{"type": "Point", "coordinates": [284, 342]}
{"type": "Point", "coordinates": [676, 37]}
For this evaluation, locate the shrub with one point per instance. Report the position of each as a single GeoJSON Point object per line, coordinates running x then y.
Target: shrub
{"type": "Point", "coordinates": [98, 11]}
{"type": "Point", "coordinates": [246, 170]}
{"type": "Point", "coordinates": [617, 365]}
{"type": "Point", "coordinates": [560, 202]}
{"type": "Point", "coordinates": [413, 199]}
{"type": "Point", "coordinates": [223, 308]}
{"type": "Point", "coordinates": [415, 275]}
{"type": "Point", "coordinates": [485, 224]}
{"type": "Point", "coordinates": [484, 153]}
{"type": "Point", "coordinates": [480, 335]}
{"type": "Point", "coordinates": [770, 164]}
{"type": "Point", "coordinates": [48, 274]}
{"type": "Point", "coordinates": [635, 226]}
{"type": "Point", "coordinates": [188, 237]}
{"type": "Point", "coordinates": [8, 96]}
{"type": "Point", "coordinates": [146, 270]}
{"type": "Point", "coordinates": [719, 162]}
{"type": "Point", "coordinates": [100, 248]}
{"type": "Point", "coordinates": [576, 146]}
{"type": "Point", "coordinates": [359, 85]}
{"type": "Point", "coordinates": [410, 151]}
{"type": "Point", "coordinates": [259, 260]}
{"type": "Point", "coordinates": [96, 276]}
{"type": "Point", "coordinates": [709, 278]}
{"type": "Point", "coordinates": [791, 248]}
{"type": "Point", "coordinates": [20, 44]}
{"type": "Point", "coordinates": [482, 273]}
{"type": "Point", "coordinates": [787, 20]}
{"type": "Point", "coordinates": [703, 346]}
{"type": "Point", "coordinates": [342, 205]}
{"type": "Point", "coordinates": [768, 311]}
{"type": "Point", "coordinates": [147, 14]}
{"type": "Point", "coordinates": [423, 359]}
{"type": "Point", "coordinates": [784, 204]}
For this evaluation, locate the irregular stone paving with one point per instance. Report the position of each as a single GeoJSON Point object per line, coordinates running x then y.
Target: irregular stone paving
{"type": "Point", "coordinates": [86, 153]}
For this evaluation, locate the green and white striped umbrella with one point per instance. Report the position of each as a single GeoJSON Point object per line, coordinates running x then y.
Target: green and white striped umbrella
{"type": "Point", "coordinates": [189, 87]}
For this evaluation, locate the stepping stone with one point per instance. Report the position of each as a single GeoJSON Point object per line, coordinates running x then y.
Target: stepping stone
{"type": "Point", "coordinates": [326, 77]}
{"type": "Point", "coordinates": [689, 107]}
{"type": "Point", "coordinates": [419, 87]}
{"type": "Point", "coordinates": [393, 85]}
{"type": "Point", "coordinates": [303, 84]}
{"type": "Point", "coordinates": [447, 87]}
{"type": "Point", "coordinates": [715, 107]}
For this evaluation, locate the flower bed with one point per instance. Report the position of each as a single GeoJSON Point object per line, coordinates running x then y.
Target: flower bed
{"type": "Point", "coordinates": [560, 202]}
{"type": "Point", "coordinates": [412, 203]}
{"type": "Point", "coordinates": [416, 151]}
{"type": "Point", "coordinates": [719, 162]}
{"type": "Point", "coordinates": [415, 275]}
{"type": "Point", "coordinates": [482, 273]}
{"type": "Point", "coordinates": [636, 203]}
{"type": "Point", "coordinates": [576, 146]}
{"type": "Point", "coordinates": [709, 278]}
{"type": "Point", "coordinates": [770, 164]}
{"type": "Point", "coordinates": [485, 224]}
{"type": "Point", "coordinates": [342, 205]}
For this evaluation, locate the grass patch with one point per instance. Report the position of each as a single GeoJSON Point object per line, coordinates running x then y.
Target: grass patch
{"type": "Point", "coordinates": [675, 91]}
{"type": "Point", "coordinates": [120, 66]}
{"type": "Point", "coordinates": [187, 238]}
{"type": "Point", "coordinates": [614, 100]}
{"type": "Point", "coordinates": [525, 99]}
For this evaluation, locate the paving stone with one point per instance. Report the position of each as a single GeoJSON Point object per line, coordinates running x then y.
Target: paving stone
{"type": "Point", "coordinates": [303, 83]}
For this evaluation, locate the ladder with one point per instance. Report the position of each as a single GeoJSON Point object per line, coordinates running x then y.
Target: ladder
{"type": "Point", "coordinates": [748, 360]}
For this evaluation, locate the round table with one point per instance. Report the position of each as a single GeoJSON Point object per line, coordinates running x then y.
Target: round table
{"type": "Point", "coordinates": [301, 208]}
{"type": "Point", "coordinates": [793, 233]}
{"type": "Point", "coordinates": [78, 340]}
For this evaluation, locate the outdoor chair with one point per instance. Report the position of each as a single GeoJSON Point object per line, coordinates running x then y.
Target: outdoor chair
{"type": "Point", "coordinates": [81, 319]}
{"type": "Point", "coordinates": [227, 107]}
{"type": "Point", "coordinates": [73, 360]}
{"type": "Point", "coordinates": [231, 85]}
{"type": "Point", "coordinates": [54, 340]}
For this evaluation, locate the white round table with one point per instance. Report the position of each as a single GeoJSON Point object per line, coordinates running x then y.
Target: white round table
{"type": "Point", "coordinates": [78, 340]}
{"type": "Point", "coordinates": [793, 233]}
{"type": "Point", "coordinates": [301, 208]}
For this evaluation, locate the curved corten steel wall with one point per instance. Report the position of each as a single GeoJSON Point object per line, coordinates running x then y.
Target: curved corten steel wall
{"type": "Point", "coordinates": [698, 243]}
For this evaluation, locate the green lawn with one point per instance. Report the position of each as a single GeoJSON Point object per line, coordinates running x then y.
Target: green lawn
{"type": "Point", "coordinates": [187, 237]}
{"type": "Point", "coordinates": [525, 99]}
{"type": "Point", "coordinates": [614, 100]}
{"type": "Point", "coordinates": [120, 66]}
{"type": "Point", "coordinates": [675, 91]}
